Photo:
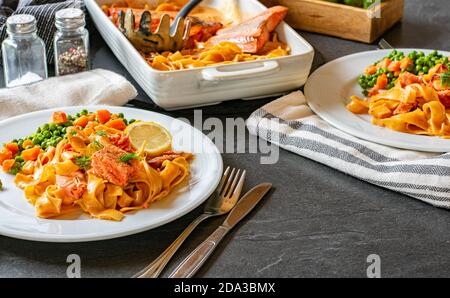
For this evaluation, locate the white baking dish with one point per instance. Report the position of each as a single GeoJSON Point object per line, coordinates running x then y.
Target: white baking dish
{"type": "Point", "coordinates": [210, 85]}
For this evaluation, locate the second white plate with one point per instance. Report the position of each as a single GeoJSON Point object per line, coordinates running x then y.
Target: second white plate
{"type": "Point", "coordinates": [329, 88]}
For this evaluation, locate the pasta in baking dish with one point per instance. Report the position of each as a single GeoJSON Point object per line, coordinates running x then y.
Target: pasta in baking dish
{"type": "Point", "coordinates": [416, 104]}
{"type": "Point", "coordinates": [214, 38]}
{"type": "Point", "coordinates": [93, 161]}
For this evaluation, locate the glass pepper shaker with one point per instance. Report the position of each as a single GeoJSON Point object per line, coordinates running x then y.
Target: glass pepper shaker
{"type": "Point", "coordinates": [24, 58]}
{"type": "Point", "coordinates": [71, 42]}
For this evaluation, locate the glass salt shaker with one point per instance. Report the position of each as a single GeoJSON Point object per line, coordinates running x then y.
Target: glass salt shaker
{"type": "Point", "coordinates": [24, 58]}
{"type": "Point", "coordinates": [71, 42]}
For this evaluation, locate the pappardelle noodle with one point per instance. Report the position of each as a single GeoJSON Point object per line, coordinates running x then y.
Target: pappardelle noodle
{"type": "Point", "coordinates": [98, 162]}
{"type": "Point", "coordinates": [222, 53]}
{"type": "Point", "coordinates": [416, 102]}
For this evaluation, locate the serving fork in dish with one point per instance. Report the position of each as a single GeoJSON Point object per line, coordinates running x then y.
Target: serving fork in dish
{"type": "Point", "coordinates": [221, 202]}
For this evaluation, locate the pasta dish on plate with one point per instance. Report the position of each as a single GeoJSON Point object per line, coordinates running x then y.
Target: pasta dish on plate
{"type": "Point", "coordinates": [408, 94]}
{"type": "Point", "coordinates": [214, 38]}
{"type": "Point", "coordinates": [98, 162]}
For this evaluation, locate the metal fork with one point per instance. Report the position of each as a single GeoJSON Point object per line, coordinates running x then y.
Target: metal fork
{"type": "Point", "coordinates": [384, 45]}
{"type": "Point", "coordinates": [221, 202]}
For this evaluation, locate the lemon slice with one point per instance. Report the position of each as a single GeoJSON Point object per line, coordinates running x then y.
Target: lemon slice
{"type": "Point", "coordinates": [156, 138]}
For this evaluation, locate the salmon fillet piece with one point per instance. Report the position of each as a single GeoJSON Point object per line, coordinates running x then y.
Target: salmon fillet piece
{"type": "Point", "coordinates": [252, 35]}
{"type": "Point", "coordinates": [73, 186]}
{"type": "Point", "coordinates": [106, 164]}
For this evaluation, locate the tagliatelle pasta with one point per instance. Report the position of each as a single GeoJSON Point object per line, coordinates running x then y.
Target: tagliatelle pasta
{"type": "Point", "coordinates": [96, 167]}
{"type": "Point", "coordinates": [416, 104]}
{"type": "Point", "coordinates": [223, 53]}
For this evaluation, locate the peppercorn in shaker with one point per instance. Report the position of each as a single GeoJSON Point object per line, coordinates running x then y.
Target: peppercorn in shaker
{"type": "Point", "coordinates": [71, 42]}
{"type": "Point", "coordinates": [24, 59]}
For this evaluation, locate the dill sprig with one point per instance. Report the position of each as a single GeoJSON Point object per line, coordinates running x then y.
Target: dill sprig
{"type": "Point", "coordinates": [445, 78]}
{"type": "Point", "coordinates": [84, 162]}
{"type": "Point", "coordinates": [128, 157]}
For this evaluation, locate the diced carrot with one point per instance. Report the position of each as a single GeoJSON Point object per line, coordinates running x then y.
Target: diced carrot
{"type": "Point", "coordinates": [394, 66]}
{"type": "Point", "coordinates": [371, 70]}
{"type": "Point", "coordinates": [91, 117]}
{"type": "Point", "coordinates": [4, 155]}
{"type": "Point", "coordinates": [382, 82]}
{"type": "Point", "coordinates": [31, 154]}
{"type": "Point", "coordinates": [82, 121]}
{"type": "Point", "coordinates": [384, 63]}
{"type": "Point", "coordinates": [13, 147]}
{"type": "Point", "coordinates": [7, 165]}
{"type": "Point", "coordinates": [27, 143]}
{"type": "Point", "coordinates": [59, 117]}
{"type": "Point", "coordinates": [103, 116]}
{"type": "Point", "coordinates": [405, 62]}
{"type": "Point", "coordinates": [116, 124]}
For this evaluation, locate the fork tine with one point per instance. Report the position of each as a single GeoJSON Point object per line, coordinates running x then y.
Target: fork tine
{"type": "Point", "coordinates": [238, 189]}
{"type": "Point", "coordinates": [224, 178]}
{"type": "Point", "coordinates": [227, 183]}
{"type": "Point", "coordinates": [233, 184]}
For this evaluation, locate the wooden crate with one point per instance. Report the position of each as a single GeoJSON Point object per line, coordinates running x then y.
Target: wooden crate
{"type": "Point", "coordinates": [341, 20]}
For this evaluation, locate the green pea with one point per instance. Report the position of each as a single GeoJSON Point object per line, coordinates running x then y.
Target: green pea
{"type": "Point", "coordinates": [121, 115]}
{"type": "Point", "coordinates": [390, 75]}
{"type": "Point", "coordinates": [47, 134]}
{"type": "Point", "coordinates": [52, 127]}
{"type": "Point", "coordinates": [84, 112]}
{"type": "Point", "coordinates": [64, 130]}
{"type": "Point", "coordinates": [18, 158]}
{"type": "Point", "coordinates": [425, 69]}
{"type": "Point", "coordinates": [35, 141]}
{"type": "Point", "coordinates": [45, 126]}
{"type": "Point", "coordinates": [56, 133]}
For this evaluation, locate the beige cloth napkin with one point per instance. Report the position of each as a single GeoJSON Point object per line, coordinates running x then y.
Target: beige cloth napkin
{"type": "Point", "coordinates": [95, 87]}
{"type": "Point", "coordinates": [289, 123]}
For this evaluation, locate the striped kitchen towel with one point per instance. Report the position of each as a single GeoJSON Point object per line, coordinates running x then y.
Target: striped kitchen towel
{"type": "Point", "coordinates": [43, 10]}
{"type": "Point", "coordinates": [289, 123]}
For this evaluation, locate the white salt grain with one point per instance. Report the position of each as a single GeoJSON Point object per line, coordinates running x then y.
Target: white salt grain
{"type": "Point", "coordinates": [28, 78]}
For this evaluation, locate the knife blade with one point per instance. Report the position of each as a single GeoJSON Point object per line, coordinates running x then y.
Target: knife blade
{"type": "Point", "coordinates": [193, 262]}
{"type": "Point", "coordinates": [246, 204]}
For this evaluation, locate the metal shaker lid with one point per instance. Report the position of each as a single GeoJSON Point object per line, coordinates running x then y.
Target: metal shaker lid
{"type": "Point", "coordinates": [69, 18]}
{"type": "Point", "coordinates": [21, 24]}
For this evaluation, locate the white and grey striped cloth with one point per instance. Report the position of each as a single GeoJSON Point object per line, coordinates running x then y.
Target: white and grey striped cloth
{"type": "Point", "coordinates": [289, 123]}
{"type": "Point", "coordinates": [44, 12]}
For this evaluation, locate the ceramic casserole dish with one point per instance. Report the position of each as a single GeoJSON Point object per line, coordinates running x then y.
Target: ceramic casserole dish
{"type": "Point", "coordinates": [210, 85]}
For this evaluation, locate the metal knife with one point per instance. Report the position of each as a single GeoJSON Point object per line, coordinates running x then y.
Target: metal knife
{"type": "Point", "coordinates": [192, 263]}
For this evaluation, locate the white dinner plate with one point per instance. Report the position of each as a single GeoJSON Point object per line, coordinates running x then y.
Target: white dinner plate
{"type": "Point", "coordinates": [17, 216]}
{"type": "Point", "coordinates": [329, 88]}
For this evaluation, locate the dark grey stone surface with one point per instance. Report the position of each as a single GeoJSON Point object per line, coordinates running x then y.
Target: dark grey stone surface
{"type": "Point", "coordinates": [317, 222]}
